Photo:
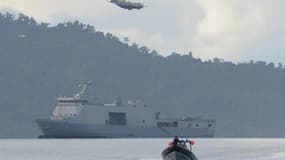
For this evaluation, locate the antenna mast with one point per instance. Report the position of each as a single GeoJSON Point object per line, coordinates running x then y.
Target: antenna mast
{"type": "Point", "coordinates": [85, 86]}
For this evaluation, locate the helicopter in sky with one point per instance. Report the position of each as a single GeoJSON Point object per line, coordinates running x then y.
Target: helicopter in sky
{"type": "Point", "coordinates": [127, 5]}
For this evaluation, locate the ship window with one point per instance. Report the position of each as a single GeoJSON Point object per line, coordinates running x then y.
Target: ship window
{"type": "Point", "coordinates": [210, 125]}
{"type": "Point", "coordinates": [143, 121]}
{"type": "Point", "coordinates": [157, 115]}
{"type": "Point", "coordinates": [164, 124]}
{"type": "Point", "coordinates": [175, 124]}
{"type": "Point", "coordinates": [197, 125]}
{"type": "Point", "coordinates": [189, 125]}
{"type": "Point", "coordinates": [117, 118]}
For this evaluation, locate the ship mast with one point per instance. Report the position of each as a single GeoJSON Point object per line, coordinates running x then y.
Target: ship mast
{"type": "Point", "coordinates": [85, 86]}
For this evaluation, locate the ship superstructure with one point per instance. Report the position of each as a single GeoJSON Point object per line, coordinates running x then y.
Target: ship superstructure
{"type": "Point", "coordinates": [76, 117]}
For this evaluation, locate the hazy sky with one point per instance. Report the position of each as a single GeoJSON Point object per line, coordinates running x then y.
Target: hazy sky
{"type": "Point", "coordinates": [238, 30]}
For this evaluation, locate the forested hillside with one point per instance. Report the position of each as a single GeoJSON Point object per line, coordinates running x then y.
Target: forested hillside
{"type": "Point", "coordinates": [39, 62]}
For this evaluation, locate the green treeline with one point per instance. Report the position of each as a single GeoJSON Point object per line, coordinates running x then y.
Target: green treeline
{"type": "Point", "coordinates": [39, 62]}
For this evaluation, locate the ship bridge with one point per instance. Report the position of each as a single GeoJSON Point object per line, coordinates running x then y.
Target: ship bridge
{"type": "Point", "coordinates": [68, 107]}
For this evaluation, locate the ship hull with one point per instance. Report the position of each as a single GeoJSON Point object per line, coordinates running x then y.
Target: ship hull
{"type": "Point", "coordinates": [66, 129]}
{"type": "Point", "coordinates": [177, 153]}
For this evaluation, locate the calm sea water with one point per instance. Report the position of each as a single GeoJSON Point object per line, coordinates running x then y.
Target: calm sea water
{"type": "Point", "coordinates": [138, 149]}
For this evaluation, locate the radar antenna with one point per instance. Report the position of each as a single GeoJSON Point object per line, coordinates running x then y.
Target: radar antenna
{"type": "Point", "coordinates": [84, 89]}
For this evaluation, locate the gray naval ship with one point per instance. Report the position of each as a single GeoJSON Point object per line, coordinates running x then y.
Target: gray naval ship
{"type": "Point", "coordinates": [77, 117]}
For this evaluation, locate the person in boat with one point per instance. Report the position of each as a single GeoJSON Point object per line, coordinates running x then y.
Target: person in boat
{"type": "Point", "coordinates": [182, 143]}
{"type": "Point", "coordinates": [178, 142]}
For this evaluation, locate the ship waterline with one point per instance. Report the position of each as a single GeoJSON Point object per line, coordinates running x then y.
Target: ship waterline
{"type": "Point", "coordinates": [64, 129]}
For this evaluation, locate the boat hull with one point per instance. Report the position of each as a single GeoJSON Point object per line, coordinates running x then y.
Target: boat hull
{"type": "Point", "coordinates": [66, 129]}
{"type": "Point", "coordinates": [177, 153]}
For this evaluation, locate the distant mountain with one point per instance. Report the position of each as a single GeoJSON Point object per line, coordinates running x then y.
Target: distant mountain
{"type": "Point", "coordinates": [39, 62]}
